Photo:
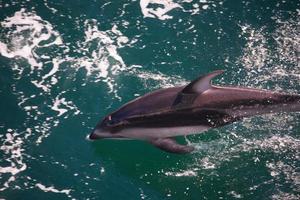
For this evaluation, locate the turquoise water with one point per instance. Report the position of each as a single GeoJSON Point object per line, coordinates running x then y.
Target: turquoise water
{"type": "Point", "coordinates": [66, 64]}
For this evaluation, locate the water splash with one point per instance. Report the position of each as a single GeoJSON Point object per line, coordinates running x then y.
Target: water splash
{"type": "Point", "coordinates": [272, 57]}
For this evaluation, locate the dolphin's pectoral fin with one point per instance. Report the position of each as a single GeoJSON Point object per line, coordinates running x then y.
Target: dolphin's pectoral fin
{"type": "Point", "coordinates": [190, 92]}
{"type": "Point", "coordinates": [170, 145]}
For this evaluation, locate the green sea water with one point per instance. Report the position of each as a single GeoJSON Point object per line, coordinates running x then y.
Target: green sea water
{"type": "Point", "coordinates": [66, 64]}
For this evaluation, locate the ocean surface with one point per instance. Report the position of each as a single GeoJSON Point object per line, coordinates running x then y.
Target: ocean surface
{"type": "Point", "coordinates": [66, 64]}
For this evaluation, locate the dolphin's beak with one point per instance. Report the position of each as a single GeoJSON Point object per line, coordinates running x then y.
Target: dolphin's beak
{"type": "Point", "coordinates": [99, 134]}
{"type": "Point", "coordinates": [93, 136]}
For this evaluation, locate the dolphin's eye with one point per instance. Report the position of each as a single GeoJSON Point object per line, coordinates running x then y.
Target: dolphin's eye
{"type": "Point", "coordinates": [112, 121]}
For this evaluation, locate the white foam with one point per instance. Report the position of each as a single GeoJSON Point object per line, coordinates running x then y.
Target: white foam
{"type": "Point", "coordinates": [54, 69]}
{"type": "Point", "coordinates": [207, 164]}
{"type": "Point", "coordinates": [285, 196]}
{"type": "Point", "coordinates": [102, 170]}
{"type": "Point", "coordinates": [284, 170]}
{"type": "Point", "coordinates": [235, 194]}
{"type": "Point", "coordinates": [12, 149]}
{"type": "Point", "coordinates": [61, 105]}
{"type": "Point", "coordinates": [51, 8]}
{"type": "Point", "coordinates": [42, 129]}
{"type": "Point", "coordinates": [160, 12]}
{"type": "Point", "coordinates": [24, 45]}
{"type": "Point", "coordinates": [163, 81]}
{"type": "Point", "coordinates": [142, 194]}
{"type": "Point", "coordinates": [40, 85]}
{"type": "Point", "coordinates": [27, 32]}
{"type": "Point", "coordinates": [52, 189]}
{"type": "Point", "coordinates": [46, 87]}
{"type": "Point", "coordinates": [100, 54]}
{"type": "Point", "coordinates": [205, 7]}
{"type": "Point", "coordinates": [188, 173]}
{"type": "Point", "coordinates": [57, 103]}
{"type": "Point", "coordinates": [108, 43]}
{"type": "Point", "coordinates": [276, 144]}
{"type": "Point", "coordinates": [255, 51]}
{"type": "Point", "coordinates": [276, 62]}
{"type": "Point", "coordinates": [161, 8]}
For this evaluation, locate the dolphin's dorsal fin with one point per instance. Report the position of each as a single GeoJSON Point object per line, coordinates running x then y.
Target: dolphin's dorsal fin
{"type": "Point", "coordinates": [189, 93]}
{"type": "Point", "coordinates": [202, 83]}
{"type": "Point", "coordinates": [170, 145]}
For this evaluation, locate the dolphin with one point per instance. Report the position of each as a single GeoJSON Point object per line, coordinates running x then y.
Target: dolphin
{"type": "Point", "coordinates": [159, 116]}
